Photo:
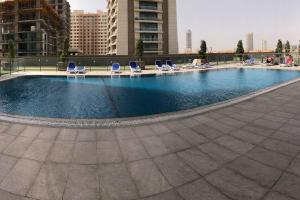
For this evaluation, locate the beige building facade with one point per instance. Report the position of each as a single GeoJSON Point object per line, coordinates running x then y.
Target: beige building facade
{"type": "Point", "coordinates": [89, 32]}
{"type": "Point", "coordinates": [153, 21]}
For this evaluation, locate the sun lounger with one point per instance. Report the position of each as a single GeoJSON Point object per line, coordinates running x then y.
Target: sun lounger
{"type": "Point", "coordinates": [134, 67]}
{"type": "Point", "coordinates": [172, 66]}
{"type": "Point", "coordinates": [249, 62]}
{"type": "Point", "coordinates": [81, 69]}
{"type": "Point", "coordinates": [196, 63]}
{"type": "Point", "coordinates": [116, 68]}
{"type": "Point", "coordinates": [72, 67]}
{"type": "Point", "coordinates": [159, 66]}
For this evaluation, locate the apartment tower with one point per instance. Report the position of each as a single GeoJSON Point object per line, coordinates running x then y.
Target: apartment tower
{"type": "Point", "coordinates": [153, 21]}
{"type": "Point", "coordinates": [89, 32]}
{"type": "Point", "coordinates": [188, 41]}
{"type": "Point", "coordinates": [33, 25]}
{"type": "Point", "coordinates": [62, 7]}
{"type": "Point", "coordinates": [249, 42]}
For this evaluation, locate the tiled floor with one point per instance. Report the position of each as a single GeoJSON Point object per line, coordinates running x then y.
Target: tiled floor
{"type": "Point", "coordinates": [248, 151]}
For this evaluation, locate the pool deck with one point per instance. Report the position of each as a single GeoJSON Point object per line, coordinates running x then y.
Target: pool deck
{"type": "Point", "coordinates": [246, 151]}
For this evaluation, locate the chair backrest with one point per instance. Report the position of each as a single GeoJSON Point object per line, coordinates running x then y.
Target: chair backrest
{"type": "Point", "coordinates": [133, 64]}
{"type": "Point", "coordinates": [195, 62]}
{"type": "Point", "coordinates": [169, 62]}
{"type": "Point", "coordinates": [116, 66]}
{"type": "Point", "coordinates": [71, 65]}
{"type": "Point", "coordinates": [158, 63]}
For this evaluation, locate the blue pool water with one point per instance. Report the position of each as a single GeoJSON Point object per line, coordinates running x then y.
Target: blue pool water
{"type": "Point", "coordinates": [107, 97]}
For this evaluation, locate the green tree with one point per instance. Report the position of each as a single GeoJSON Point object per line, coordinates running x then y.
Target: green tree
{"type": "Point", "coordinates": [287, 48]}
{"type": "Point", "coordinates": [11, 51]}
{"type": "Point", "coordinates": [139, 48]}
{"type": "Point", "coordinates": [299, 47]}
{"type": "Point", "coordinates": [203, 49]}
{"type": "Point", "coordinates": [240, 49]}
{"type": "Point", "coordinates": [279, 48]}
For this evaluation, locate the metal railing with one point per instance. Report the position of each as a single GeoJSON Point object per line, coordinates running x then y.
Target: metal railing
{"type": "Point", "coordinates": [103, 63]}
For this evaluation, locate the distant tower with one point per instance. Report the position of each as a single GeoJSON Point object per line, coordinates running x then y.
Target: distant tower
{"type": "Point", "coordinates": [264, 45]}
{"type": "Point", "coordinates": [249, 42]}
{"type": "Point", "coordinates": [189, 41]}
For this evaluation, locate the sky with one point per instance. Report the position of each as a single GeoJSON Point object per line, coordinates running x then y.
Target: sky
{"type": "Point", "coordinates": [221, 23]}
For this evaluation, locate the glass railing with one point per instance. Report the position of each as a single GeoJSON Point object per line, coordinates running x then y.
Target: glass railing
{"type": "Point", "coordinates": [149, 39]}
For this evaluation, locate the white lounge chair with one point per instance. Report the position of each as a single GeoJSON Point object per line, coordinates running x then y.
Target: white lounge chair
{"type": "Point", "coordinates": [159, 66]}
{"type": "Point", "coordinates": [172, 66]}
{"type": "Point", "coordinates": [134, 67]}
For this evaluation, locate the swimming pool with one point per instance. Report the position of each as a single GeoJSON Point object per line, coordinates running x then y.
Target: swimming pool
{"type": "Point", "coordinates": [119, 97]}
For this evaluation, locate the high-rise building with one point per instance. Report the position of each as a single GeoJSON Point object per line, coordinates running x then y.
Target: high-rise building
{"type": "Point", "coordinates": [153, 21]}
{"type": "Point", "coordinates": [189, 41]}
{"type": "Point", "coordinates": [33, 25]}
{"type": "Point", "coordinates": [62, 7]}
{"type": "Point", "coordinates": [89, 32]}
{"type": "Point", "coordinates": [264, 45]}
{"type": "Point", "coordinates": [249, 42]}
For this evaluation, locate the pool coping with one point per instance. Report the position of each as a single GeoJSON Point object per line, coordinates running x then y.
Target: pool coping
{"type": "Point", "coordinates": [141, 120]}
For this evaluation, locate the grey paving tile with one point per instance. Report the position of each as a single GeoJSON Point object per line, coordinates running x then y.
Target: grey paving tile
{"type": "Point", "coordinates": [8, 196]}
{"type": "Point", "coordinates": [269, 158]}
{"type": "Point", "coordinates": [234, 144]}
{"type": "Point", "coordinates": [261, 174]}
{"type": "Point", "coordinates": [49, 133]}
{"type": "Point", "coordinates": [191, 136]}
{"type": "Point", "coordinates": [236, 186]}
{"type": "Point", "coordinates": [15, 129]}
{"type": "Point", "coordinates": [150, 183]}
{"type": "Point", "coordinates": [155, 146]}
{"type": "Point", "coordinates": [125, 133]}
{"type": "Point", "coordinates": [248, 137]}
{"type": "Point", "coordinates": [116, 183]}
{"type": "Point", "coordinates": [143, 131]}
{"type": "Point", "coordinates": [293, 138]}
{"type": "Point", "coordinates": [198, 161]}
{"type": "Point", "coordinates": [62, 152]}
{"type": "Point", "coordinates": [82, 184]}
{"type": "Point", "coordinates": [207, 131]}
{"type": "Point", "coordinates": [170, 195]}
{"type": "Point", "coordinates": [6, 164]}
{"type": "Point", "coordinates": [85, 153]}
{"type": "Point", "coordinates": [268, 124]}
{"type": "Point", "coordinates": [214, 115]}
{"type": "Point", "coordinates": [38, 150]}
{"type": "Point", "coordinates": [174, 142]}
{"type": "Point", "coordinates": [133, 150]}
{"type": "Point", "coordinates": [108, 152]}
{"type": "Point", "coordinates": [217, 152]}
{"type": "Point", "coordinates": [290, 129]}
{"type": "Point", "coordinates": [18, 146]}
{"type": "Point", "coordinates": [258, 130]}
{"type": "Point", "coordinates": [175, 125]}
{"type": "Point", "coordinates": [295, 167]}
{"type": "Point", "coordinates": [281, 147]}
{"type": "Point", "coordinates": [190, 122]}
{"type": "Point", "coordinates": [200, 190]}
{"type": "Point", "coordinates": [221, 127]}
{"type": "Point", "coordinates": [232, 122]}
{"type": "Point", "coordinates": [86, 135]}
{"type": "Point", "coordinates": [289, 185]}
{"type": "Point", "coordinates": [5, 140]}
{"type": "Point", "coordinates": [67, 135]}
{"type": "Point", "coordinates": [160, 129]}
{"type": "Point", "coordinates": [31, 131]}
{"type": "Point", "coordinates": [276, 196]}
{"type": "Point", "coordinates": [20, 178]}
{"type": "Point", "coordinates": [50, 182]}
{"type": "Point", "coordinates": [3, 127]}
{"type": "Point", "coordinates": [203, 119]}
{"type": "Point", "coordinates": [175, 170]}
{"type": "Point", "coordinates": [246, 116]}
{"type": "Point", "coordinates": [105, 135]}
